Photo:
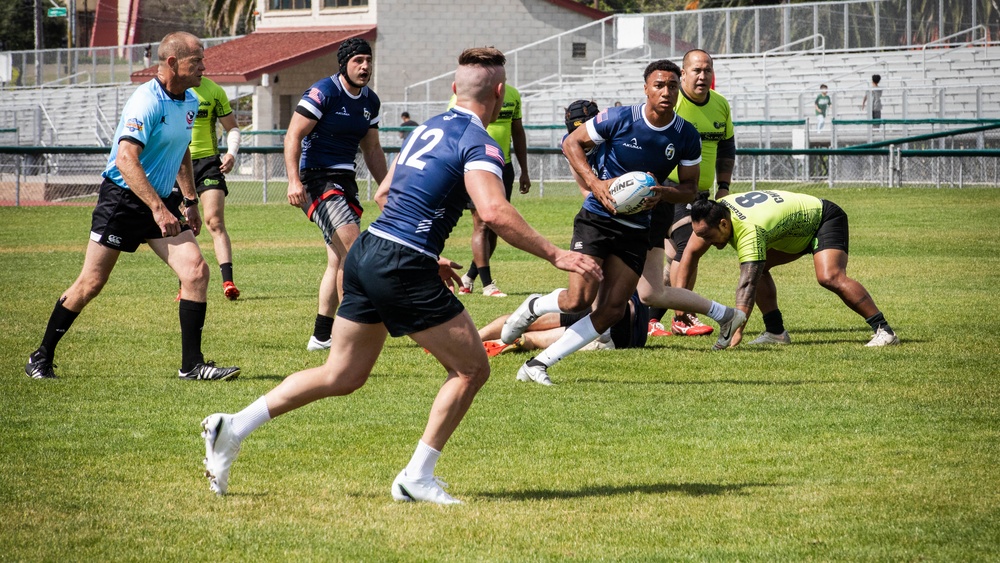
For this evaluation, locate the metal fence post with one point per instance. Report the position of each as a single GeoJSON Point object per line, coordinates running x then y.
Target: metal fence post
{"type": "Point", "coordinates": [266, 158]}
{"type": "Point", "coordinates": [19, 159]}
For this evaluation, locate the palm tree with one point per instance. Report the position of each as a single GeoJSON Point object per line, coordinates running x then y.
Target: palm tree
{"type": "Point", "coordinates": [225, 17]}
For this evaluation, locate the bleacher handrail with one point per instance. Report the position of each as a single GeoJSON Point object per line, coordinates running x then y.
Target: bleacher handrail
{"type": "Point", "coordinates": [784, 49]}
{"type": "Point", "coordinates": [52, 83]}
{"type": "Point", "coordinates": [942, 42]}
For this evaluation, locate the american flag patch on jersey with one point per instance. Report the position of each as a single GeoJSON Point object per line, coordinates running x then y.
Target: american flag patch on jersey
{"type": "Point", "coordinates": [602, 116]}
{"type": "Point", "coordinates": [494, 152]}
{"type": "Point", "coordinates": [315, 95]}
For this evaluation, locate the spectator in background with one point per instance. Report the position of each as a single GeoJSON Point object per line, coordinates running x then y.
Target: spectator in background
{"type": "Point", "coordinates": [146, 56]}
{"type": "Point", "coordinates": [876, 95]}
{"type": "Point", "coordinates": [822, 104]}
{"type": "Point", "coordinates": [407, 122]}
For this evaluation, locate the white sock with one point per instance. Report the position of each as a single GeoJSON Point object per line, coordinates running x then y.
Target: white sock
{"type": "Point", "coordinates": [250, 418]}
{"type": "Point", "coordinates": [717, 311]}
{"type": "Point", "coordinates": [423, 461]}
{"type": "Point", "coordinates": [547, 303]}
{"type": "Point", "coordinates": [577, 336]}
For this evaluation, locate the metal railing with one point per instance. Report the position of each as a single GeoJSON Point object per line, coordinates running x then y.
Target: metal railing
{"type": "Point", "coordinates": [945, 41]}
{"type": "Point", "coordinates": [819, 44]}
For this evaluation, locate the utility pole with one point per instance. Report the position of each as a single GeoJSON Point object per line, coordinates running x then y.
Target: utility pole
{"type": "Point", "coordinates": [39, 42]}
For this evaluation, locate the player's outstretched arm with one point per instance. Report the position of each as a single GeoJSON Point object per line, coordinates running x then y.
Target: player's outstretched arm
{"type": "Point", "coordinates": [686, 188]}
{"type": "Point", "coordinates": [135, 177]}
{"type": "Point", "coordinates": [746, 289]}
{"type": "Point", "coordinates": [575, 147]}
{"type": "Point", "coordinates": [487, 193]}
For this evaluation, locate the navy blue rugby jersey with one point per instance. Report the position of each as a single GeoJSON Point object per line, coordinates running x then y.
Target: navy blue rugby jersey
{"type": "Point", "coordinates": [632, 144]}
{"type": "Point", "coordinates": [427, 194]}
{"type": "Point", "coordinates": [342, 121]}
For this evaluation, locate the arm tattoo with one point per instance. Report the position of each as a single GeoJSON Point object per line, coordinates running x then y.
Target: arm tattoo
{"type": "Point", "coordinates": [750, 273]}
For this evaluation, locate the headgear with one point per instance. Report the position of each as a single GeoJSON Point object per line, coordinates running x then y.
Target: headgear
{"type": "Point", "coordinates": [351, 47]}
{"type": "Point", "coordinates": [578, 112]}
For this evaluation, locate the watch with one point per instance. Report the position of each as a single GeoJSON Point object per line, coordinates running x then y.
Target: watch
{"type": "Point", "coordinates": [190, 202]}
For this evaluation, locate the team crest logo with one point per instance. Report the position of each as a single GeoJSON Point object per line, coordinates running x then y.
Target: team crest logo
{"type": "Point", "coordinates": [190, 117]}
{"type": "Point", "coordinates": [368, 114]}
{"type": "Point", "coordinates": [133, 124]}
{"type": "Point", "coordinates": [670, 152]}
{"type": "Point", "coordinates": [719, 124]}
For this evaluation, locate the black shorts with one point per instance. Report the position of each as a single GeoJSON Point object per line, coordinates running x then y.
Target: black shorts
{"type": "Point", "coordinates": [333, 199]}
{"type": "Point", "coordinates": [630, 331]}
{"type": "Point", "coordinates": [508, 184]}
{"type": "Point", "coordinates": [659, 223]}
{"type": "Point", "coordinates": [386, 282]}
{"type": "Point", "coordinates": [207, 175]}
{"type": "Point", "coordinates": [833, 231]}
{"type": "Point", "coordinates": [600, 236]}
{"type": "Point", "coordinates": [122, 221]}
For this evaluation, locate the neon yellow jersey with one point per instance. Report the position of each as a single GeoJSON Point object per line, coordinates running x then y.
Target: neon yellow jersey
{"type": "Point", "coordinates": [212, 104]}
{"type": "Point", "coordinates": [714, 122]}
{"type": "Point", "coordinates": [500, 129]}
{"type": "Point", "coordinates": [784, 221]}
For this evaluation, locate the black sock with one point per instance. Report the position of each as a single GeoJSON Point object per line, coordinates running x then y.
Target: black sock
{"type": "Point", "coordinates": [534, 363]}
{"type": "Point", "coordinates": [227, 271]}
{"type": "Point", "coordinates": [59, 322]}
{"type": "Point", "coordinates": [484, 276]}
{"type": "Point", "coordinates": [878, 321]}
{"type": "Point", "coordinates": [323, 327]}
{"type": "Point", "coordinates": [473, 272]}
{"type": "Point", "coordinates": [192, 315]}
{"type": "Point", "coordinates": [657, 313]}
{"type": "Point", "coordinates": [773, 322]}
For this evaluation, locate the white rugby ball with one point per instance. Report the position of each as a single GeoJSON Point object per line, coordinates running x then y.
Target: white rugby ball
{"type": "Point", "coordinates": [629, 190]}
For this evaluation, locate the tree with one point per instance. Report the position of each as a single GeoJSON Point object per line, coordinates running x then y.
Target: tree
{"type": "Point", "coordinates": [17, 27]}
{"type": "Point", "coordinates": [230, 17]}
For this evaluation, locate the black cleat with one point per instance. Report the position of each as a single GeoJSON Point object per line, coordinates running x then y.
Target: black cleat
{"type": "Point", "coordinates": [39, 367]}
{"type": "Point", "coordinates": [206, 371]}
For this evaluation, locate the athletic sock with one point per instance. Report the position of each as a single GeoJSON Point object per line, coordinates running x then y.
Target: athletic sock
{"type": "Point", "coordinates": [773, 322]}
{"type": "Point", "coordinates": [717, 311]}
{"type": "Point", "coordinates": [581, 333]}
{"type": "Point", "coordinates": [323, 327]}
{"type": "Point", "coordinates": [59, 322]}
{"type": "Point", "coordinates": [250, 418]}
{"type": "Point", "coordinates": [227, 271]}
{"type": "Point", "coordinates": [192, 315]}
{"type": "Point", "coordinates": [878, 321]}
{"type": "Point", "coordinates": [473, 272]}
{"type": "Point", "coordinates": [485, 276]}
{"type": "Point", "coordinates": [423, 461]}
{"type": "Point", "coordinates": [657, 313]}
{"type": "Point", "coordinates": [546, 304]}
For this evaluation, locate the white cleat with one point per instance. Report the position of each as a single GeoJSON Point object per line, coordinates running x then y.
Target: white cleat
{"type": "Point", "coordinates": [727, 329]}
{"type": "Point", "coordinates": [538, 374]}
{"type": "Point", "coordinates": [430, 489]}
{"type": "Point", "coordinates": [519, 320]}
{"type": "Point", "coordinates": [221, 449]}
{"type": "Point", "coordinates": [317, 344]}
{"type": "Point", "coordinates": [771, 338]}
{"type": "Point", "coordinates": [493, 291]}
{"type": "Point", "coordinates": [883, 337]}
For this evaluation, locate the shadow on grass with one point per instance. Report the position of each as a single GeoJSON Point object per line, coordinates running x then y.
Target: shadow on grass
{"type": "Point", "coordinates": [702, 382]}
{"type": "Point", "coordinates": [688, 489]}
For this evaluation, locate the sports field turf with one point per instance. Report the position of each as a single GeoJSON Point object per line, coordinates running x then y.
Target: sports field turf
{"type": "Point", "coordinates": [822, 450]}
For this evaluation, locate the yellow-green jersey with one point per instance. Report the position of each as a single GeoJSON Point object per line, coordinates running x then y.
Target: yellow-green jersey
{"type": "Point", "coordinates": [212, 104]}
{"type": "Point", "coordinates": [784, 221]}
{"type": "Point", "coordinates": [714, 122]}
{"type": "Point", "coordinates": [500, 129]}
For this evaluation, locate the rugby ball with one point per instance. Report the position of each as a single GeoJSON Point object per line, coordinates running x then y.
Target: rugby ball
{"type": "Point", "coordinates": [629, 190]}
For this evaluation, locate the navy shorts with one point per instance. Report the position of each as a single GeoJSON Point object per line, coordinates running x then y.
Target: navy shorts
{"type": "Point", "coordinates": [122, 221]}
{"type": "Point", "coordinates": [333, 199]}
{"type": "Point", "coordinates": [629, 332]}
{"type": "Point", "coordinates": [833, 231]}
{"type": "Point", "coordinates": [386, 282]}
{"type": "Point", "coordinates": [659, 223]}
{"type": "Point", "coordinates": [600, 236]}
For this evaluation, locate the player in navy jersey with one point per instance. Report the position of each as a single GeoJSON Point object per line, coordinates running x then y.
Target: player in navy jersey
{"type": "Point", "coordinates": [646, 137]}
{"type": "Point", "coordinates": [393, 280]}
{"type": "Point", "coordinates": [334, 117]}
{"type": "Point", "coordinates": [136, 205]}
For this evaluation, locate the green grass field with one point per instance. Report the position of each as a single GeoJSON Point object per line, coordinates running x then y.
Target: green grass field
{"type": "Point", "coordinates": [823, 450]}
